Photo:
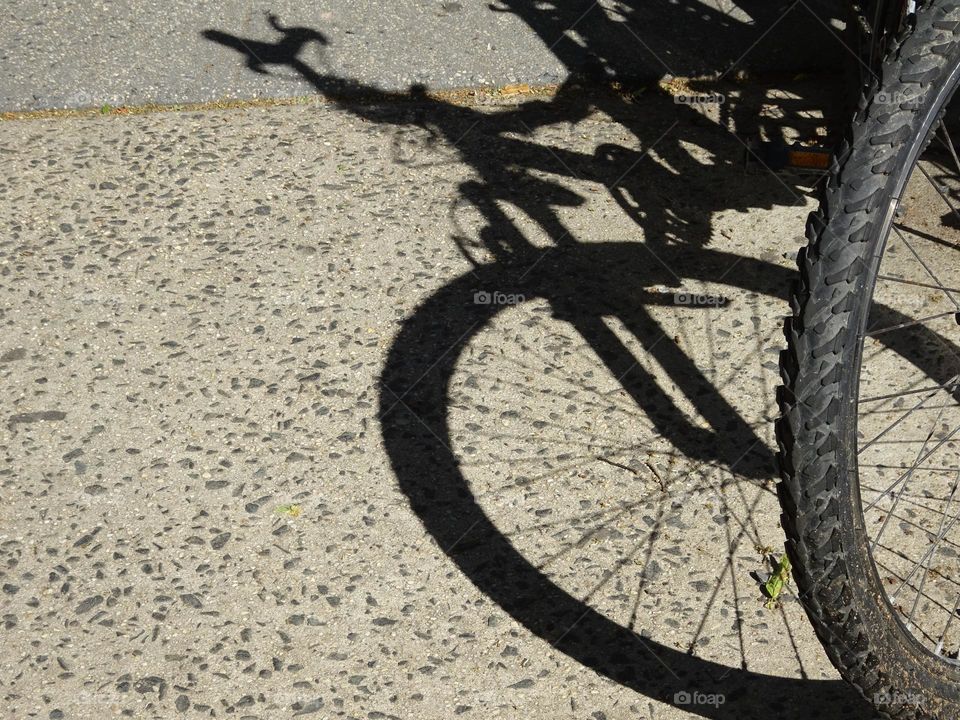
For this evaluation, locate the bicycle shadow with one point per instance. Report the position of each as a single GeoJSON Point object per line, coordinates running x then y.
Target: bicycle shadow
{"type": "Point", "coordinates": [582, 282]}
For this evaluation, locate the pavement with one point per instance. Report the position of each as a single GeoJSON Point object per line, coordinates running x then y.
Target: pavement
{"type": "Point", "coordinates": [131, 52]}
{"type": "Point", "coordinates": [397, 404]}
{"type": "Point", "coordinates": [398, 408]}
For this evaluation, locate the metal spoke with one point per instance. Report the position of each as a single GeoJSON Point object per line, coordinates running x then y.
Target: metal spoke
{"type": "Point", "coordinates": [917, 284]}
{"type": "Point", "coordinates": [916, 567]}
{"type": "Point", "coordinates": [890, 570]}
{"type": "Point", "coordinates": [903, 487]}
{"type": "Point", "coordinates": [940, 192]}
{"type": "Point", "coordinates": [910, 323]}
{"type": "Point", "coordinates": [892, 409]}
{"type": "Point", "coordinates": [907, 521]}
{"type": "Point", "coordinates": [928, 236]}
{"type": "Point", "coordinates": [946, 628]}
{"type": "Point", "coordinates": [909, 441]}
{"type": "Point", "coordinates": [919, 460]}
{"type": "Point", "coordinates": [923, 264]}
{"type": "Point", "coordinates": [949, 144]}
{"type": "Point", "coordinates": [903, 417]}
{"type": "Point", "coordinates": [923, 576]}
{"type": "Point", "coordinates": [929, 468]}
{"type": "Point", "coordinates": [902, 393]}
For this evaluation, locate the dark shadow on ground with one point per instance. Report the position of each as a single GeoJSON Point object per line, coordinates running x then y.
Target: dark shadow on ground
{"type": "Point", "coordinates": [653, 178]}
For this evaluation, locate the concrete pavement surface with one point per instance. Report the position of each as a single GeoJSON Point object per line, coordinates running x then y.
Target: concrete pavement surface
{"type": "Point", "coordinates": [131, 52]}
{"type": "Point", "coordinates": [398, 409]}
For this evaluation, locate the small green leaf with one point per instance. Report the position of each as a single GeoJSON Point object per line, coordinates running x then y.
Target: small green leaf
{"type": "Point", "coordinates": [291, 510]}
{"type": "Point", "coordinates": [774, 586]}
{"type": "Point", "coordinates": [105, 109]}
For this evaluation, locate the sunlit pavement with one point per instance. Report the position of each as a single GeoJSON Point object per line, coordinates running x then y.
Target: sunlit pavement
{"type": "Point", "coordinates": [303, 402]}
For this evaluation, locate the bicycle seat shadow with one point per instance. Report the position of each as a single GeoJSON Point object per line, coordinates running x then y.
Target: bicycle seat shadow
{"type": "Point", "coordinates": [258, 53]}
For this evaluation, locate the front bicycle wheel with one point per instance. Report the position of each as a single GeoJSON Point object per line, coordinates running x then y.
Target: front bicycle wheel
{"type": "Point", "coordinates": [870, 427]}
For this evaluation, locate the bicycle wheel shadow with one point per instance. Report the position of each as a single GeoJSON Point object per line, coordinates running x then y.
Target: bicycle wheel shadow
{"type": "Point", "coordinates": [418, 384]}
{"type": "Point", "coordinates": [582, 283]}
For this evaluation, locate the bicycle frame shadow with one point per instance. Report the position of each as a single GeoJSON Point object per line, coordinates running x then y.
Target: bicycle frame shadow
{"type": "Point", "coordinates": [582, 282]}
